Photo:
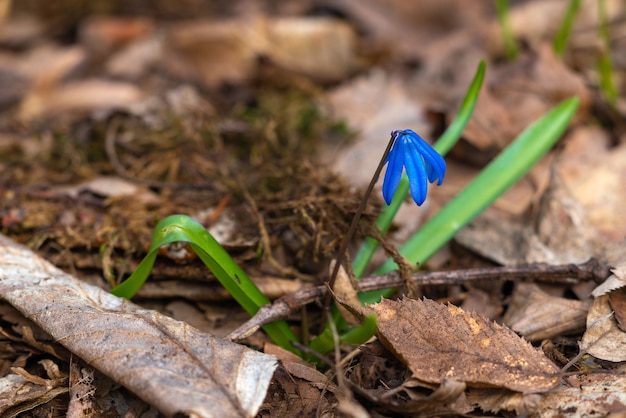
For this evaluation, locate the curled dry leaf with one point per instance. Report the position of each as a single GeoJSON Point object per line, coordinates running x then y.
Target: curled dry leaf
{"type": "Point", "coordinates": [440, 342]}
{"type": "Point", "coordinates": [19, 393]}
{"type": "Point", "coordinates": [613, 282]}
{"type": "Point", "coordinates": [79, 96]}
{"type": "Point", "coordinates": [617, 299]}
{"type": "Point", "coordinates": [345, 292]}
{"type": "Point", "coordinates": [215, 52]}
{"type": "Point", "coordinates": [587, 395]}
{"type": "Point", "coordinates": [536, 315]}
{"type": "Point", "coordinates": [603, 338]}
{"type": "Point", "coordinates": [165, 362]}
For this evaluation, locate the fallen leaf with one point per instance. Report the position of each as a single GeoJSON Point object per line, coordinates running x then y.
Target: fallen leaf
{"type": "Point", "coordinates": [19, 394]}
{"type": "Point", "coordinates": [617, 299]}
{"type": "Point", "coordinates": [588, 395]}
{"type": "Point", "coordinates": [440, 342]}
{"type": "Point", "coordinates": [611, 283]}
{"type": "Point", "coordinates": [228, 51]}
{"type": "Point", "coordinates": [494, 401]}
{"type": "Point", "coordinates": [600, 187]}
{"type": "Point", "coordinates": [323, 49]}
{"type": "Point", "coordinates": [165, 362]}
{"type": "Point", "coordinates": [84, 95]}
{"type": "Point", "coordinates": [536, 315]}
{"type": "Point", "coordinates": [449, 398]}
{"type": "Point", "coordinates": [100, 33]}
{"type": "Point", "coordinates": [603, 338]}
{"type": "Point", "coordinates": [558, 234]}
{"type": "Point", "coordinates": [344, 291]}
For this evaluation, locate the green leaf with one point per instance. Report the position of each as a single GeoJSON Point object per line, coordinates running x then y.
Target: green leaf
{"type": "Point", "coordinates": [605, 63]}
{"type": "Point", "coordinates": [512, 163]}
{"type": "Point", "coordinates": [443, 145]}
{"type": "Point", "coordinates": [510, 44]}
{"type": "Point", "coordinates": [182, 228]}
{"type": "Point", "coordinates": [562, 35]}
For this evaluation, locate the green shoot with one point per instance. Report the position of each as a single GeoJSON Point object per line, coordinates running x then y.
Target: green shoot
{"type": "Point", "coordinates": [443, 145]}
{"type": "Point", "coordinates": [492, 182]}
{"type": "Point", "coordinates": [562, 35]}
{"type": "Point", "coordinates": [359, 334]}
{"type": "Point", "coordinates": [605, 64]}
{"type": "Point", "coordinates": [510, 45]}
{"type": "Point", "coordinates": [182, 228]}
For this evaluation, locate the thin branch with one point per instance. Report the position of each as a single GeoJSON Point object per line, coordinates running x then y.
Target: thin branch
{"type": "Point", "coordinates": [565, 274]}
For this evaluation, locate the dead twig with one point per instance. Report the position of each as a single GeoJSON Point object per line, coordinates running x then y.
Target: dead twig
{"type": "Point", "coordinates": [565, 273]}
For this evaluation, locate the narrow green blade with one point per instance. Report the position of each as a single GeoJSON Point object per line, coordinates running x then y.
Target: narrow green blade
{"type": "Point", "coordinates": [182, 228]}
{"type": "Point", "coordinates": [492, 182]}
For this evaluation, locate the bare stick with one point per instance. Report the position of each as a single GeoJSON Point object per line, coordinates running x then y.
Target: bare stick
{"type": "Point", "coordinates": [565, 274]}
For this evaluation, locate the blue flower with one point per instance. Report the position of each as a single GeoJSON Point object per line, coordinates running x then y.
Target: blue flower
{"type": "Point", "coordinates": [422, 163]}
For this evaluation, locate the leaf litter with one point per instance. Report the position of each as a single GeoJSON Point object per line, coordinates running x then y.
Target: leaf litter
{"type": "Point", "coordinates": [179, 370]}
{"type": "Point", "coordinates": [166, 127]}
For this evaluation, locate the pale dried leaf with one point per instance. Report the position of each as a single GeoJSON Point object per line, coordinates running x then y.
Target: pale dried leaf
{"type": "Point", "coordinates": [536, 315]}
{"type": "Point", "coordinates": [321, 48]}
{"type": "Point", "coordinates": [19, 393]}
{"type": "Point", "coordinates": [559, 234]}
{"type": "Point", "coordinates": [494, 401]}
{"type": "Point", "coordinates": [84, 95]}
{"type": "Point", "coordinates": [215, 52]}
{"type": "Point", "coordinates": [165, 362]}
{"type": "Point", "coordinates": [344, 291]}
{"type": "Point", "coordinates": [602, 191]}
{"type": "Point", "coordinates": [440, 342]}
{"type": "Point", "coordinates": [109, 186]}
{"type": "Point", "coordinates": [82, 391]}
{"type": "Point", "coordinates": [617, 300]}
{"type": "Point", "coordinates": [613, 282]}
{"type": "Point", "coordinates": [603, 338]}
{"type": "Point", "coordinates": [588, 395]}
{"type": "Point", "coordinates": [448, 398]}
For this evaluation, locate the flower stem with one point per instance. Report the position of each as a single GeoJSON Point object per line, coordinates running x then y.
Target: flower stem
{"type": "Point", "coordinates": [353, 225]}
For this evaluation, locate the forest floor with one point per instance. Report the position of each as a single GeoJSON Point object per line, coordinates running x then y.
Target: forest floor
{"type": "Point", "coordinates": [264, 121]}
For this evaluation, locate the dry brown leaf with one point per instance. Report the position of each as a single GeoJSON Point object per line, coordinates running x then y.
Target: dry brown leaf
{"type": "Point", "coordinates": [449, 398]}
{"type": "Point", "coordinates": [611, 283]}
{"type": "Point", "coordinates": [494, 401]}
{"type": "Point", "coordinates": [215, 52]}
{"type": "Point", "coordinates": [536, 315]}
{"type": "Point", "coordinates": [110, 186]}
{"type": "Point", "coordinates": [165, 362]}
{"type": "Point", "coordinates": [440, 342]}
{"type": "Point", "coordinates": [601, 189]}
{"type": "Point", "coordinates": [617, 300]}
{"type": "Point", "coordinates": [588, 395]}
{"type": "Point", "coordinates": [603, 338]}
{"type": "Point", "coordinates": [21, 392]}
{"type": "Point", "coordinates": [84, 95]}
{"type": "Point", "coordinates": [344, 291]}
{"type": "Point", "coordinates": [82, 390]}
{"type": "Point", "coordinates": [559, 234]}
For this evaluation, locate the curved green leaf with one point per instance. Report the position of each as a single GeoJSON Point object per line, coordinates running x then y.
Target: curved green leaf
{"type": "Point", "coordinates": [182, 228]}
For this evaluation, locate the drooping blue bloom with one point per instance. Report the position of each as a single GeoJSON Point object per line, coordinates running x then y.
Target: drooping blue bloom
{"type": "Point", "coordinates": [423, 164]}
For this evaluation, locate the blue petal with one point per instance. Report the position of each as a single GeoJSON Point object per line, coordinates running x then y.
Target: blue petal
{"type": "Point", "coordinates": [435, 164]}
{"type": "Point", "coordinates": [416, 172]}
{"type": "Point", "coordinates": [393, 174]}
